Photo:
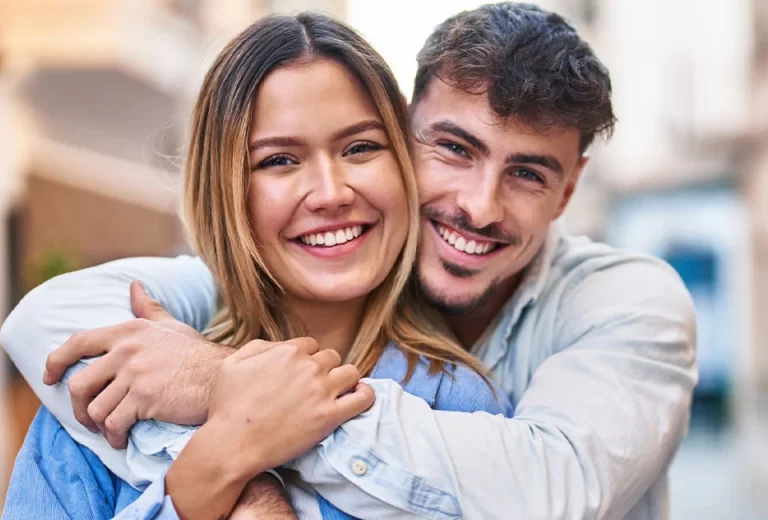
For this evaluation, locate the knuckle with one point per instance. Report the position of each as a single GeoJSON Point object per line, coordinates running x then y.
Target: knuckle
{"type": "Point", "coordinates": [126, 347]}
{"type": "Point", "coordinates": [314, 368]}
{"type": "Point", "coordinates": [97, 413]}
{"type": "Point", "coordinates": [82, 418]}
{"type": "Point", "coordinates": [335, 357]}
{"type": "Point", "coordinates": [317, 387]}
{"type": "Point", "coordinates": [111, 426]}
{"type": "Point", "coordinates": [136, 366]}
{"type": "Point", "coordinates": [141, 390]}
{"type": "Point", "coordinates": [309, 342]}
{"type": "Point", "coordinates": [353, 371]}
{"type": "Point", "coordinates": [136, 325]}
{"type": "Point", "coordinates": [142, 323]}
{"type": "Point", "coordinates": [78, 337]}
{"type": "Point", "coordinates": [77, 386]}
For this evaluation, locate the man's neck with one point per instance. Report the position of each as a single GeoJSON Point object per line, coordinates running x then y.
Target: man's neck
{"type": "Point", "coordinates": [333, 325]}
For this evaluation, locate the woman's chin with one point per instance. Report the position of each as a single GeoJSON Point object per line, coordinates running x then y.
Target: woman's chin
{"type": "Point", "coordinates": [336, 289]}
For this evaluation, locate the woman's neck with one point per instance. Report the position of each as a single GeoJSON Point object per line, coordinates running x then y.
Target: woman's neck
{"type": "Point", "coordinates": [333, 325]}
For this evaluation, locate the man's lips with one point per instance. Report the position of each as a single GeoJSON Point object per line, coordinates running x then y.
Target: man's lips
{"type": "Point", "coordinates": [465, 241]}
{"type": "Point", "coordinates": [464, 248]}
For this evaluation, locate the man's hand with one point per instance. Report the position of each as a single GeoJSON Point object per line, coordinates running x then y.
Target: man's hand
{"type": "Point", "coordinates": [271, 403]}
{"type": "Point", "coordinates": [154, 367]}
{"type": "Point", "coordinates": [263, 497]}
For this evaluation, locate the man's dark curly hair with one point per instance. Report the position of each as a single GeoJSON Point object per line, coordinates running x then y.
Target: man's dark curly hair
{"type": "Point", "coordinates": [533, 65]}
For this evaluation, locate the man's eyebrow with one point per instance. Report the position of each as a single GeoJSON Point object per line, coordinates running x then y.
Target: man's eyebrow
{"type": "Point", "coordinates": [454, 129]}
{"type": "Point", "coordinates": [287, 141]}
{"type": "Point", "coordinates": [546, 161]}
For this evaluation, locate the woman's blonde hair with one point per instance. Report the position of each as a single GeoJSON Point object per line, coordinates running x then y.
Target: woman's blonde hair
{"type": "Point", "coordinates": [216, 186]}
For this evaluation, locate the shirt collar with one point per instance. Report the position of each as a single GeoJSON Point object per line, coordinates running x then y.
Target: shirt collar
{"type": "Point", "coordinates": [531, 286]}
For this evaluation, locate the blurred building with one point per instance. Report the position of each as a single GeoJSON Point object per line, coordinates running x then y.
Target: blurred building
{"type": "Point", "coordinates": [751, 157]}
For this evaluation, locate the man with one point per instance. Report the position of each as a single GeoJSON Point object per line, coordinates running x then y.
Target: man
{"type": "Point", "coordinates": [595, 346]}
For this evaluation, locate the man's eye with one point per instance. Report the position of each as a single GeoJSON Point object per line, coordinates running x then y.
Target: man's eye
{"type": "Point", "coordinates": [362, 147]}
{"type": "Point", "coordinates": [454, 148]}
{"type": "Point", "coordinates": [528, 175]}
{"type": "Point", "coordinates": [276, 161]}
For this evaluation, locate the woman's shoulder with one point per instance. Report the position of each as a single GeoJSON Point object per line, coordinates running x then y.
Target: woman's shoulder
{"type": "Point", "coordinates": [456, 388]}
{"type": "Point", "coordinates": [464, 390]}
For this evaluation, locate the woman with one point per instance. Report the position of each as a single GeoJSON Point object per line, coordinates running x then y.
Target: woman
{"type": "Point", "coordinates": [301, 199]}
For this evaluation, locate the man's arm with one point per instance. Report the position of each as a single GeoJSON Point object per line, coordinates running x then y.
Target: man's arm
{"type": "Point", "coordinates": [98, 297]}
{"type": "Point", "coordinates": [598, 424]}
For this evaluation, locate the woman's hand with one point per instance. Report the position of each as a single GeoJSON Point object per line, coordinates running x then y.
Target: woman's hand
{"type": "Point", "coordinates": [271, 402]}
{"type": "Point", "coordinates": [277, 400]}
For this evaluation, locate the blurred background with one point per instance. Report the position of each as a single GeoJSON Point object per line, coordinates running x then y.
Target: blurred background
{"type": "Point", "coordinates": [95, 95]}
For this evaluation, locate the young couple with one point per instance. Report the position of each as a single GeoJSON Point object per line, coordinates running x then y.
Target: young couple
{"type": "Point", "coordinates": [342, 236]}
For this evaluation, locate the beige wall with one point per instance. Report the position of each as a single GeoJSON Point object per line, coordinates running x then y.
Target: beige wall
{"type": "Point", "coordinates": [95, 227]}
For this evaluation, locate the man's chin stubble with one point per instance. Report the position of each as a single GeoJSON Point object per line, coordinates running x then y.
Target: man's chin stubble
{"type": "Point", "coordinates": [439, 300]}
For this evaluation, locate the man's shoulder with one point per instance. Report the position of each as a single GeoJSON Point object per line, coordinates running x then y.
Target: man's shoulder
{"type": "Point", "coordinates": [594, 274]}
{"type": "Point", "coordinates": [580, 253]}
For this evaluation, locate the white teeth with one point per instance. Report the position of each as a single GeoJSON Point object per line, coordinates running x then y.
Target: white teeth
{"type": "Point", "coordinates": [332, 238]}
{"type": "Point", "coordinates": [471, 247]}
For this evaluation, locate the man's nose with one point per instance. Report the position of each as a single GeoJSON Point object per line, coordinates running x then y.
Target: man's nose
{"type": "Point", "coordinates": [330, 190]}
{"type": "Point", "coordinates": [481, 203]}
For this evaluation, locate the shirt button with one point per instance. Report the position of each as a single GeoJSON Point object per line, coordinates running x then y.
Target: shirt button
{"type": "Point", "coordinates": [359, 467]}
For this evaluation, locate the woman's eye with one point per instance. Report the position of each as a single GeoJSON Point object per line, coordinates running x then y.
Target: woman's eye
{"type": "Point", "coordinates": [276, 161]}
{"type": "Point", "coordinates": [528, 175]}
{"type": "Point", "coordinates": [454, 148]}
{"type": "Point", "coordinates": [362, 147]}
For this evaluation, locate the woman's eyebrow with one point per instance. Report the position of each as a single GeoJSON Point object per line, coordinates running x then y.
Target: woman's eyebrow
{"type": "Point", "coordinates": [274, 141]}
{"type": "Point", "coordinates": [357, 128]}
{"type": "Point", "coordinates": [286, 141]}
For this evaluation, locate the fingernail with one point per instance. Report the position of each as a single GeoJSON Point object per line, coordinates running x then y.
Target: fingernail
{"type": "Point", "coordinates": [46, 378]}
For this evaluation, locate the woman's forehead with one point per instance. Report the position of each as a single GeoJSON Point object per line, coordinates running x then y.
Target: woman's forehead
{"type": "Point", "coordinates": [296, 93]}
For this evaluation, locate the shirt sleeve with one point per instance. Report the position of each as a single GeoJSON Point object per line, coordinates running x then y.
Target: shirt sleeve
{"type": "Point", "coordinates": [55, 478]}
{"type": "Point", "coordinates": [597, 425]}
{"type": "Point", "coordinates": [99, 297]}
{"type": "Point", "coordinates": [153, 504]}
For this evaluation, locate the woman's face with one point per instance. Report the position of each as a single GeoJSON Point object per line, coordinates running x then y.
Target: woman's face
{"type": "Point", "coordinates": [326, 197]}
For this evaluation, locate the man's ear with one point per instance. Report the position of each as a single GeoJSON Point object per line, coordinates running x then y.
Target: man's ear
{"type": "Point", "coordinates": [573, 180]}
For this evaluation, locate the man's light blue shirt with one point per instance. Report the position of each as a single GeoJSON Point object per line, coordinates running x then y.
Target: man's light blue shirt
{"type": "Point", "coordinates": [596, 350]}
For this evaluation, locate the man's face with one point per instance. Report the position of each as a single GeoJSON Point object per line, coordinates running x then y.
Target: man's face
{"type": "Point", "coordinates": [489, 190]}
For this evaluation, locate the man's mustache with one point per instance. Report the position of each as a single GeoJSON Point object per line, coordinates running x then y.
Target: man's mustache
{"type": "Point", "coordinates": [460, 221]}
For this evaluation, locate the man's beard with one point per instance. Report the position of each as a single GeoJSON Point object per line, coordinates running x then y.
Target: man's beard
{"type": "Point", "coordinates": [440, 301]}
